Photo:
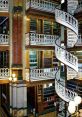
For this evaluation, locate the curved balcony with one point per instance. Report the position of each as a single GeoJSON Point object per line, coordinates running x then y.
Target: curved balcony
{"type": "Point", "coordinates": [41, 5]}
{"type": "Point", "coordinates": [65, 56]}
{"type": "Point", "coordinates": [66, 94]}
{"type": "Point", "coordinates": [40, 74]}
{"type": "Point", "coordinates": [4, 5]}
{"type": "Point", "coordinates": [40, 39]}
{"type": "Point", "coordinates": [71, 23]}
{"type": "Point", "coordinates": [4, 39]}
{"type": "Point", "coordinates": [67, 20]}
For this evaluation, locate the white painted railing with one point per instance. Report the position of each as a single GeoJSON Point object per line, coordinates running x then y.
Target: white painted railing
{"type": "Point", "coordinates": [4, 5]}
{"type": "Point", "coordinates": [41, 5]}
{"type": "Point", "coordinates": [4, 39]}
{"type": "Point", "coordinates": [72, 26]}
{"type": "Point", "coordinates": [40, 39]}
{"type": "Point", "coordinates": [65, 56]}
{"type": "Point", "coordinates": [71, 74]}
{"type": "Point", "coordinates": [63, 92]}
{"type": "Point", "coordinates": [67, 20]}
{"type": "Point", "coordinates": [4, 72]}
{"type": "Point", "coordinates": [41, 74]}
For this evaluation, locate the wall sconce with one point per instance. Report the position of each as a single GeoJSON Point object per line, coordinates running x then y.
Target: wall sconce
{"type": "Point", "coordinates": [13, 78]}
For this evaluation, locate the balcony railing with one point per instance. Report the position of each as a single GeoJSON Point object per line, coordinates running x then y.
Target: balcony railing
{"type": "Point", "coordinates": [4, 39]}
{"type": "Point", "coordinates": [41, 5]}
{"type": "Point", "coordinates": [4, 5]}
{"type": "Point", "coordinates": [4, 73]}
{"type": "Point", "coordinates": [41, 74]}
{"type": "Point", "coordinates": [79, 41]}
{"type": "Point", "coordinates": [40, 39]}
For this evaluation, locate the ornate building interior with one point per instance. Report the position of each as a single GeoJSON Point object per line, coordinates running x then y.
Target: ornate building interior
{"type": "Point", "coordinates": [40, 58]}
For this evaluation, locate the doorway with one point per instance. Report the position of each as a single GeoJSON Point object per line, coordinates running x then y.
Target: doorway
{"type": "Point", "coordinates": [31, 99]}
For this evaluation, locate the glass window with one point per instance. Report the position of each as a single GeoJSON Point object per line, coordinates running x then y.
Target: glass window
{"type": "Point", "coordinates": [4, 59]}
{"type": "Point", "coordinates": [33, 59]}
{"type": "Point", "coordinates": [47, 27]}
{"type": "Point", "coordinates": [33, 25]}
{"type": "Point", "coordinates": [56, 28]}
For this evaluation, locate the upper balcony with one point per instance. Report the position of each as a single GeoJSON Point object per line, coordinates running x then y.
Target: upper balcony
{"type": "Point", "coordinates": [40, 39]}
{"type": "Point", "coordinates": [4, 39]}
{"type": "Point", "coordinates": [42, 5]}
{"type": "Point", "coordinates": [40, 74]}
{"type": "Point", "coordinates": [4, 5]}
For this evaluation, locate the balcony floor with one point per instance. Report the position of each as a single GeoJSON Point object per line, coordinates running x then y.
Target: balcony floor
{"type": "Point", "coordinates": [4, 81]}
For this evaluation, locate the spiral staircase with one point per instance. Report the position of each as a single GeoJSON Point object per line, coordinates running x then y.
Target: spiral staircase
{"type": "Point", "coordinates": [71, 61]}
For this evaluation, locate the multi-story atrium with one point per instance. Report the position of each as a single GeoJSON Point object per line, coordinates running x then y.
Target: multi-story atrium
{"type": "Point", "coordinates": [40, 58]}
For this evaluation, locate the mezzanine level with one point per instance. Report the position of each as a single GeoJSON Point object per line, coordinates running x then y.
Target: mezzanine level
{"type": "Point", "coordinates": [4, 5]}
{"type": "Point", "coordinates": [4, 39]}
{"type": "Point", "coordinates": [40, 39]}
{"type": "Point", "coordinates": [40, 74]}
{"type": "Point", "coordinates": [42, 5]}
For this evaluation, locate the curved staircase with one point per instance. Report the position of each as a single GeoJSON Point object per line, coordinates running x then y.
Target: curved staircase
{"type": "Point", "coordinates": [63, 55]}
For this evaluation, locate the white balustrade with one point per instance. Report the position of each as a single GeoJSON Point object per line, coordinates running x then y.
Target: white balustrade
{"type": "Point", "coordinates": [40, 39]}
{"type": "Point", "coordinates": [4, 39]}
{"type": "Point", "coordinates": [67, 20]}
{"type": "Point", "coordinates": [65, 56]}
{"type": "Point", "coordinates": [71, 74]}
{"type": "Point", "coordinates": [42, 74]}
{"type": "Point", "coordinates": [72, 38]}
{"type": "Point", "coordinates": [41, 5]}
{"type": "Point", "coordinates": [4, 72]}
{"type": "Point", "coordinates": [4, 5]}
{"type": "Point", "coordinates": [63, 92]}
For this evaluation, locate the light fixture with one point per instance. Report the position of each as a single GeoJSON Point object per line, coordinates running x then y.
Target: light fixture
{"type": "Point", "coordinates": [62, 1]}
{"type": "Point", "coordinates": [13, 75]}
{"type": "Point", "coordinates": [77, 100]}
{"type": "Point", "coordinates": [10, 78]}
{"type": "Point", "coordinates": [71, 109]}
{"type": "Point", "coordinates": [72, 103]}
{"type": "Point", "coordinates": [14, 79]}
